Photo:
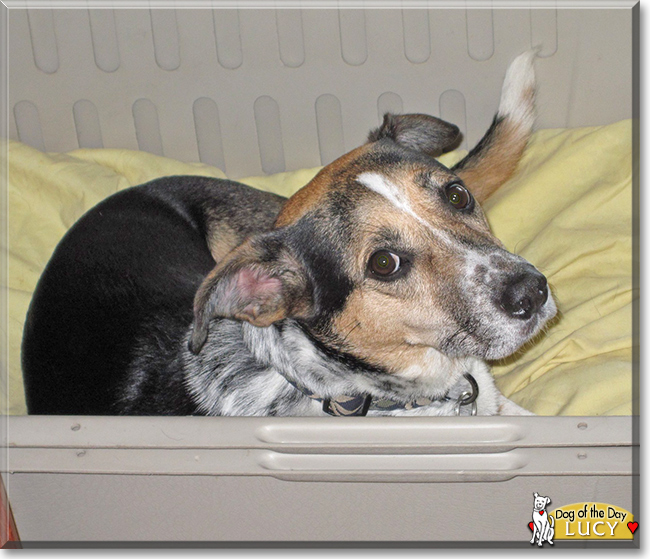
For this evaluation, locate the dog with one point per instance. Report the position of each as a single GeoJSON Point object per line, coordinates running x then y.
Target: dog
{"type": "Point", "coordinates": [544, 525]}
{"type": "Point", "coordinates": [377, 289]}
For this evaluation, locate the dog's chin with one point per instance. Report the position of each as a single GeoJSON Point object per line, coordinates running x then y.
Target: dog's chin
{"type": "Point", "coordinates": [499, 339]}
{"type": "Point", "coordinates": [488, 350]}
{"type": "Point", "coordinates": [501, 349]}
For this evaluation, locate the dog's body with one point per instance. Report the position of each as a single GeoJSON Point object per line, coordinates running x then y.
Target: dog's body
{"type": "Point", "coordinates": [137, 278]}
{"type": "Point", "coordinates": [378, 281]}
{"type": "Point", "coordinates": [543, 524]}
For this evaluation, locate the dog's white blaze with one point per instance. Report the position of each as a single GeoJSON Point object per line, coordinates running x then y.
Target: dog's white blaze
{"type": "Point", "coordinates": [516, 102]}
{"type": "Point", "coordinates": [389, 190]}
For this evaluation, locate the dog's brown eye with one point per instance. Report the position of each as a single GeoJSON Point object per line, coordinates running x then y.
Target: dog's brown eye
{"type": "Point", "coordinates": [384, 263]}
{"type": "Point", "coordinates": [458, 196]}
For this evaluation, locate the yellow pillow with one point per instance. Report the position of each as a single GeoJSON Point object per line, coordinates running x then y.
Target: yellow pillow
{"type": "Point", "coordinates": [568, 210]}
{"type": "Point", "coordinates": [47, 193]}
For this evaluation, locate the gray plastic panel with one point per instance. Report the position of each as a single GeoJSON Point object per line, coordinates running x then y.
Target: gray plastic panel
{"type": "Point", "coordinates": [61, 507]}
{"type": "Point", "coordinates": [297, 88]}
{"type": "Point", "coordinates": [313, 434]}
{"type": "Point", "coordinates": [307, 479]}
{"type": "Point", "coordinates": [319, 449]}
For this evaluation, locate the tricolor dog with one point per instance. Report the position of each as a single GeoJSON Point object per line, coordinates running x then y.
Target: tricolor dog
{"type": "Point", "coordinates": [376, 289]}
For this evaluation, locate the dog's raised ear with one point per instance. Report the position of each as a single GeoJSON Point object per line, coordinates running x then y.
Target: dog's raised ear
{"type": "Point", "coordinates": [495, 158]}
{"type": "Point", "coordinates": [418, 132]}
{"type": "Point", "coordinates": [259, 282]}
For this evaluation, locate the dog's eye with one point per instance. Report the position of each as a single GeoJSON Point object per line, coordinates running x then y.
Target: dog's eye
{"type": "Point", "coordinates": [458, 196]}
{"type": "Point", "coordinates": [384, 263]}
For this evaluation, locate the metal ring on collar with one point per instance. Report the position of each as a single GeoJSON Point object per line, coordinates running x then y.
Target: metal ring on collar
{"type": "Point", "coordinates": [461, 402]}
{"type": "Point", "coordinates": [467, 398]}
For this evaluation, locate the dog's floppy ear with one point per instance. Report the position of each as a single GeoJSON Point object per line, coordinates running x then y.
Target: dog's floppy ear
{"type": "Point", "coordinates": [418, 132]}
{"type": "Point", "coordinates": [495, 157]}
{"type": "Point", "coordinates": [259, 282]}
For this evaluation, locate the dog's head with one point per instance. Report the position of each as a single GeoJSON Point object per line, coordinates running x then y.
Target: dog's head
{"type": "Point", "coordinates": [540, 502]}
{"type": "Point", "coordinates": [387, 254]}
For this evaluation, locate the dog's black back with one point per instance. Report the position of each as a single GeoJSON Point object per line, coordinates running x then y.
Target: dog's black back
{"type": "Point", "coordinates": [138, 258]}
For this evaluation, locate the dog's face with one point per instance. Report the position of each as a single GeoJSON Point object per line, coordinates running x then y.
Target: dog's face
{"type": "Point", "coordinates": [540, 502]}
{"type": "Point", "coordinates": [412, 264]}
{"type": "Point", "coordinates": [385, 256]}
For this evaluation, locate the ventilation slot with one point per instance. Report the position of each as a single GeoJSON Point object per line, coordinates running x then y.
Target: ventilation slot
{"type": "Point", "coordinates": [352, 24]}
{"type": "Point", "coordinates": [389, 103]}
{"type": "Point", "coordinates": [480, 33]}
{"type": "Point", "coordinates": [417, 45]}
{"type": "Point", "coordinates": [165, 39]}
{"type": "Point", "coordinates": [104, 37]}
{"type": "Point", "coordinates": [44, 47]}
{"type": "Point", "coordinates": [269, 135]}
{"type": "Point", "coordinates": [452, 109]}
{"type": "Point", "coordinates": [208, 133]}
{"type": "Point", "coordinates": [543, 24]}
{"type": "Point", "coordinates": [290, 37]}
{"type": "Point", "coordinates": [28, 125]}
{"type": "Point", "coordinates": [86, 123]}
{"type": "Point", "coordinates": [147, 128]}
{"type": "Point", "coordinates": [227, 37]}
{"type": "Point", "coordinates": [330, 128]}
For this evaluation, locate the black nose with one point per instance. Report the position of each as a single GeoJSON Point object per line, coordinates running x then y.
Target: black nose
{"type": "Point", "coordinates": [524, 294]}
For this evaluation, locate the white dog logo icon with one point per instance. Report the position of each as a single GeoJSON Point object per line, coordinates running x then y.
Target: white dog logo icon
{"type": "Point", "coordinates": [543, 524]}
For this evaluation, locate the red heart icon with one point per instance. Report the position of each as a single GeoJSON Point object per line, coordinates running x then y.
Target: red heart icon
{"type": "Point", "coordinates": [633, 526]}
{"type": "Point", "coordinates": [531, 525]}
{"type": "Point", "coordinates": [541, 512]}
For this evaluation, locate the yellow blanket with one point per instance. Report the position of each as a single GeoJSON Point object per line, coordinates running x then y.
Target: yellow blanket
{"type": "Point", "coordinates": [567, 210]}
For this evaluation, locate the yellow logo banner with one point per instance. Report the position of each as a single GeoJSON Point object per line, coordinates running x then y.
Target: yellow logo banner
{"type": "Point", "coordinates": [593, 521]}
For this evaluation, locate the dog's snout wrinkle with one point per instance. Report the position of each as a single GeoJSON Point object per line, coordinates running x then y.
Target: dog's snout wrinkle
{"type": "Point", "coordinates": [524, 295]}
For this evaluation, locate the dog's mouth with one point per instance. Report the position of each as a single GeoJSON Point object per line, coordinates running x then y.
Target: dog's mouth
{"type": "Point", "coordinates": [503, 337]}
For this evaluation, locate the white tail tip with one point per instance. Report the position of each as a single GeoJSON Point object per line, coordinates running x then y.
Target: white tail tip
{"type": "Point", "coordinates": [518, 93]}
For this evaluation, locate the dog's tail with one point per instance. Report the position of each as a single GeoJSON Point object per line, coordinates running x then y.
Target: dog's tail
{"type": "Point", "coordinates": [494, 159]}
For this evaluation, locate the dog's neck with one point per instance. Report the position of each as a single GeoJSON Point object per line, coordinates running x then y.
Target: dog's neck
{"type": "Point", "coordinates": [293, 351]}
{"type": "Point", "coordinates": [246, 370]}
